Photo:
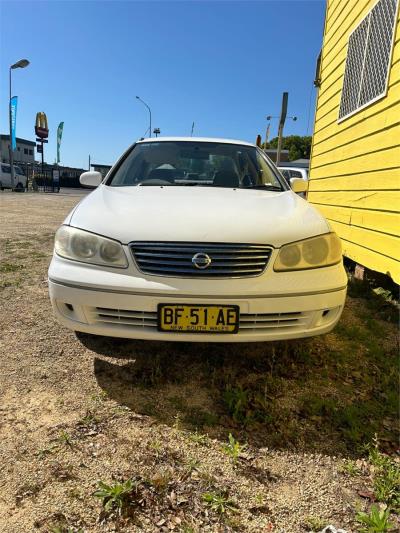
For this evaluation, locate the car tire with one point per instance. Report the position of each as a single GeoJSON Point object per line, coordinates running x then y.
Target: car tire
{"type": "Point", "coordinates": [19, 187]}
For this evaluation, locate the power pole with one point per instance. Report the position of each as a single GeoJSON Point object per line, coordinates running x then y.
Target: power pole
{"type": "Point", "coordinates": [89, 163]}
{"type": "Point", "coordinates": [267, 135]}
{"type": "Point", "coordinates": [282, 119]}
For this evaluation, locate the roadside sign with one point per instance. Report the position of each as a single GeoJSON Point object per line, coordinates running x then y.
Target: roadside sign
{"type": "Point", "coordinates": [56, 177]}
{"type": "Point", "coordinates": [39, 149]}
{"type": "Point", "coordinates": [41, 127]}
{"type": "Point", "coordinates": [56, 180]}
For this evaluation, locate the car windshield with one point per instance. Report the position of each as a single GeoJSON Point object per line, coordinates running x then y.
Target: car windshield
{"type": "Point", "coordinates": [185, 163]}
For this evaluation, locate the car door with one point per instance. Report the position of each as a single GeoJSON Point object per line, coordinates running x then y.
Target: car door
{"type": "Point", "coordinates": [5, 175]}
{"type": "Point", "coordinates": [20, 176]}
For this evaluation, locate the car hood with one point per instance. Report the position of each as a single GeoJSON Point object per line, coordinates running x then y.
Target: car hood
{"type": "Point", "coordinates": [202, 214]}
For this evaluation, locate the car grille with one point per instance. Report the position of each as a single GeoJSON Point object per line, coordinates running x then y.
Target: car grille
{"type": "Point", "coordinates": [247, 322]}
{"type": "Point", "coordinates": [175, 259]}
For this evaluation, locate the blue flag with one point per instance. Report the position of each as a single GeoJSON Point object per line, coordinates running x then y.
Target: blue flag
{"type": "Point", "coordinates": [14, 101]}
{"type": "Point", "coordinates": [59, 136]}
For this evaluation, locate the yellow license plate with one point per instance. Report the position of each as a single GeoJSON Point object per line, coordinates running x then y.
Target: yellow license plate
{"type": "Point", "coordinates": [198, 318]}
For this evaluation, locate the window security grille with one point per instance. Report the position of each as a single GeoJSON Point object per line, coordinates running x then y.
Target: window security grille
{"type": "Point", "coordinates": [368, 56]}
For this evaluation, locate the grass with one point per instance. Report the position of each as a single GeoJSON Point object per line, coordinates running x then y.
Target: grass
{"type": "Point", "coordinates": [386, 477]}
{"type": "Point", "coordinates": [13, 283]}
{"type": "Point", "coordinates": [376, 521]}
{"type": "Point", "coordinates": [191, 465]}
{"type": "Point", "coordinates": [328, 394]}
{"type": "Point", "coordinates": [199, 438]}
{"type": "Point", "coordinates": [157, 447]}
{"type": "Point", "coordinates": [99, 398]}
{"type": "Point", "coordinates": [233, 449]}
{"type": "Point", "coordinates": [219, 502]}
{"type": "Point", "coordinates": [379, 301]}
{"type": "Point", "coordinates": [160, 480]}
{"type": "Point", "coordinates": [10, 267]}
{"type": "Point", "coordinates": [115, 497]}
{"type": "Point", "coordinates": [315, 523]}
{"type": "Point", "coordinates": [43, 452]}
{"type": "Point", "coordinates": [65, 438]}
{"type": "Point", "coordinates": [89, 419]}
{"type": "Point", "coordinates": [198, 417]}
{"type": "Point", "coordinates": [236, 400]}
{"type": "Point", "coordinates": [350, 468]}
{"type": "Point", "coordinates": [65, 529]}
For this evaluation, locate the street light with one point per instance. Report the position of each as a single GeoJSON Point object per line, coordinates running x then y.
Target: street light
{"type": "Point", "coordinates": [276, 116]}
{"type": "Point", "coordinates": [22, 63]}
{"type": "Point", "coordinates": [144, 103]}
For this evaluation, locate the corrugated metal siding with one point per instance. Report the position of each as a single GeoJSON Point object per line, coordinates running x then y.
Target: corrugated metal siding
{"type": "Point", "coordinates": [355, 164]}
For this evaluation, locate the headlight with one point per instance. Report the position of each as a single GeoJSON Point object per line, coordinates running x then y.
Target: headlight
{"type": "Point", "coordinates": [316, 252]}
{"type": "Point", "coordinates": [79, 245]}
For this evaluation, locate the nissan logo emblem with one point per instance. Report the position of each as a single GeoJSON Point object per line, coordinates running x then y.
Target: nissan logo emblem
{"type": "Point", "coordinates": [201, 261]}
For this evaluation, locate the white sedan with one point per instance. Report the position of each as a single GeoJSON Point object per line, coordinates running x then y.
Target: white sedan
{"type": "Point", "coordinates": [191, 239]}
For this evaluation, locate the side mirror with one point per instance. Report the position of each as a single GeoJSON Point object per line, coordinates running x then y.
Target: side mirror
{"type": "Point", "coordinates": [91, 179]}
{"type": "Point", "coordinates": [298, 185]}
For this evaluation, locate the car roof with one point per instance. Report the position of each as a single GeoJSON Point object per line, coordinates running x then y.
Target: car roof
{"type": "Point", "coordinates": [195, 139]}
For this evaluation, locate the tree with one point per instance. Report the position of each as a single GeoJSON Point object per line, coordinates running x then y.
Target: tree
{"type": "Point", "coordinates": [299, 147]}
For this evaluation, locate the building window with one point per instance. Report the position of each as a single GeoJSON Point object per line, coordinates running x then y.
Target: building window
{"type": "Point", "coordinates": [368, 58]}
{"type": "Point", "coordinates": [30, 151]}
{"type": "Point", "coordinates": [26, 151]}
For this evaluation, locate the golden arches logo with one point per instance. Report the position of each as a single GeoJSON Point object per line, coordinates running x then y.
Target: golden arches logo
{"type": "Point", "coordinates": [41, 125]}
{"type": "Point", "coordinates": [41, 120]}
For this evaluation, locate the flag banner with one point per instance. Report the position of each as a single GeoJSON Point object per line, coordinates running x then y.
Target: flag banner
{"type": "Point", "coordinates": [13, 106]}
{"type": "Point", "coordinates": [59, 136]}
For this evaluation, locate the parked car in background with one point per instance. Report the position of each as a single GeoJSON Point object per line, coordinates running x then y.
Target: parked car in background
{"type": "Point", "coordinates": [5, 178]}
{"type": "Point", "coordinates": [295, 172]}
{"type": "Point", "coordinates": [196, 240]}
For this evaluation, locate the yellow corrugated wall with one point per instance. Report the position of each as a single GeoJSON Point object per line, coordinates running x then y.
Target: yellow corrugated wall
{"type": "Point", "coordinates": [355, 164]}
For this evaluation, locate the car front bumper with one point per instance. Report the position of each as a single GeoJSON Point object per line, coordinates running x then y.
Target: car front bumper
{"type": "Point", "coordinates": [274, 306]}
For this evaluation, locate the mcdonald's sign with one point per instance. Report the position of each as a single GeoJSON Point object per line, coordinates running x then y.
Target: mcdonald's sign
{"type": "Point", "coordinates": [41, 127]}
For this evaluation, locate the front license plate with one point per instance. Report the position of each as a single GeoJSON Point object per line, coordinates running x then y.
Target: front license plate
{"type": "Point", "coordinates": [198, 318]}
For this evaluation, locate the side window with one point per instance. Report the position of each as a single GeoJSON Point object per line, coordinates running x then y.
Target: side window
{"type": "Point", "coordinates": [5, 169]}
{"type": "Point", "coordinates": [295, 174]}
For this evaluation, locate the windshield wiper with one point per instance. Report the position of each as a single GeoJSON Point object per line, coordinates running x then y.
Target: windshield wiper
{"type": "Point", "coordinates": [264, 186]}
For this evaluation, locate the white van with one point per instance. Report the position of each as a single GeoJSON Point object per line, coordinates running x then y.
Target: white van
{"type": "Point", "coordinates": [295, 172]}
{"type": "Point", "coordinates": [5, 178]}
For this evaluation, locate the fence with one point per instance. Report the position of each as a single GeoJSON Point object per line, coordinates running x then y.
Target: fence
{"type": "Point", "coordinates": [42, 180]}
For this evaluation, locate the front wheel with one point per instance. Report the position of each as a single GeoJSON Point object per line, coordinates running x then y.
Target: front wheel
{"type": "Point", "coordinates": [19, 187]}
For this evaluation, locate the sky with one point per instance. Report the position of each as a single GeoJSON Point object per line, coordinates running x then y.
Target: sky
{"type": "Point", "coordinates": [220, 64]}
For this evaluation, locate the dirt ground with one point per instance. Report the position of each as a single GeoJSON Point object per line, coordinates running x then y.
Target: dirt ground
{"type": "Point", "coordinates": [76, 410]}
